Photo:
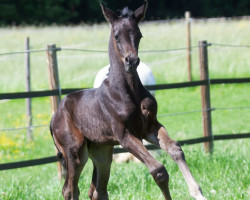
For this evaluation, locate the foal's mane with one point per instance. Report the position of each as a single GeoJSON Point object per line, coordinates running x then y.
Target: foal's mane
{"type": "Point", "coordinates": [127, 13]}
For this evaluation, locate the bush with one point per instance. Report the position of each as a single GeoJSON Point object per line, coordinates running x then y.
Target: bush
{"type": "Point", "coordinates": [76, 11]}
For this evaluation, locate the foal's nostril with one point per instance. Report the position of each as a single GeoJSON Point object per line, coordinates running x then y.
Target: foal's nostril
{"type": "Point", "coordinates": [127, 59]}
{"type": "Point", "coordinates": [137, 61]}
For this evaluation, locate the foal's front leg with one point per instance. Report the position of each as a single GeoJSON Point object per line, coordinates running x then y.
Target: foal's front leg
{"type": "Point", "coordinates": [161, 138]}
{"type": "Point", "coordinates": [157, 170]}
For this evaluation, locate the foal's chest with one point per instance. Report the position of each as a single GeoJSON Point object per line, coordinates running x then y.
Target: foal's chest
{"type": "Point", "coordinates": [139, 117]}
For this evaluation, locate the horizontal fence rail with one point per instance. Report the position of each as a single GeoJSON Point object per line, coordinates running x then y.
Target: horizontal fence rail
{"type": "Point", "coordinates": [47, 160]}
{"type": "Point", "coordinates": [45, 93]}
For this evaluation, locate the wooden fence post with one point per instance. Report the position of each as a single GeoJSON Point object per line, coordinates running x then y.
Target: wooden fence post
{"type": "Point", "coordinates": [28, 88]}
{"type": "Point", "coordinates": [54, 84]}
{"type": "Point", "coordinates": [53, 75]}
{"type": "Point", "coordinates": [189, 50]}
{"type": "Point", "coordinates": [205, 96]}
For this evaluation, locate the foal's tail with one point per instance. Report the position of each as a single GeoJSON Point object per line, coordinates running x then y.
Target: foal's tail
{"type": "Point", "coordinates": [59, 153]}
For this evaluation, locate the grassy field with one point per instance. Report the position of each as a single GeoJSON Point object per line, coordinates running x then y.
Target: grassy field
{"type": "Point", "coordinates": [223, 175]}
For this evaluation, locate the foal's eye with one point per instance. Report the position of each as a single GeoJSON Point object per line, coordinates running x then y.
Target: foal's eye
{"type": "Point", "coordinates": [116, 37]}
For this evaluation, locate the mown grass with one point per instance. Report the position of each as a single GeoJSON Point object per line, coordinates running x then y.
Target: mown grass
{"type": "Point", "coordinates": [223, 175]}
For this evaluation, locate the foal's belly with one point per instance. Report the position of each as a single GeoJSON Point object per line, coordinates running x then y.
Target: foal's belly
{"type": "Point", "coordinates": [97, 131]}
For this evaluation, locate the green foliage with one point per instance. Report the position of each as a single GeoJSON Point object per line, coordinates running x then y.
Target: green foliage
{"type": "Point", "coordinates": [38, 11]}
{"type": "Point", "coordinates": [76, 11]}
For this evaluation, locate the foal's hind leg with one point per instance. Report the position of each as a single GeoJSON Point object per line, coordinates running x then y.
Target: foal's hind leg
{"type": "Point", "coordinates": [101, 156]}
{"type": "Point", "coordinates": [162, 139]}
{"type": "Point", "coordinates": [74, 149]}
{"type": "Point", "coordinates": [76, 159]}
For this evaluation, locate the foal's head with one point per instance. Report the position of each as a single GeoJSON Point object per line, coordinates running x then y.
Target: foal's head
{"type": "Point", "coordinates": [126, 34]}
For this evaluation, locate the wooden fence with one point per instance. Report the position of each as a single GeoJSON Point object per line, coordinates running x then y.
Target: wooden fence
{"type": "Point", "coordinates": [204, 83]}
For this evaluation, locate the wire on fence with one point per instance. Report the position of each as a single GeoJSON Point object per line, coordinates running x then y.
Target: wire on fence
{"type": "Point", "coordinates": [230, 45]}
{"type": "Point", "coordinates": [21, 128]}
{"type": "Point", "coordinates": [203, 110]}
{"type": "Point", "coordinates": [84, 50]}
{"type": "Point", "coordinates": [159, 116]}
{"type": "Point", "coordinates": [22, 52]}
{"type": "Point", "coordinates": [168, 50]}
{"type": "Point", "coordinates": [95, 51]}
{"type": "Point", "coordinates": [142, 51]}
{"type": "Point", "coordinates": [184, 113]}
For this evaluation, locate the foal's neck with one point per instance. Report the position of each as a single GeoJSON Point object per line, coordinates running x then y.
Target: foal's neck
{"type": "Point", "coordinates": [117, 73]}
{"type": "Point", "coordinates": [117, 69]}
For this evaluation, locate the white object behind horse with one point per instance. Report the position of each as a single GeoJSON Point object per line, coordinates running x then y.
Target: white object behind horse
{"type": "Point", "coordinates": [144, 72]}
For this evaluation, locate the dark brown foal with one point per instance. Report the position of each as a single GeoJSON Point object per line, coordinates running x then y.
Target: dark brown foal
{"type": "Point", "coordinates": [89, 123]}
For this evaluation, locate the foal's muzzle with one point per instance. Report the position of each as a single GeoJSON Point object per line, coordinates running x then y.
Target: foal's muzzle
{"type": "Point", "coordinates": [131, 63]}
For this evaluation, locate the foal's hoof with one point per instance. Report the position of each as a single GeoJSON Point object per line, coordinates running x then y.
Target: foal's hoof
{"type": "Point", "coordinates": [100, 196]}
{"type": "Point", "coordinates": [197, 194]}
{"type": "Point", "coordinates": [69, 195]}
{"type": "Point", "coordinates": [199, 197]}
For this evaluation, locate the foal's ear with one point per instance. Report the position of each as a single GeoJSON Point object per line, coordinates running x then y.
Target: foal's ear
{"type": "Point", "coordinates": [141, 11]}
{"type": "Point", "coordinates": [108, 14]}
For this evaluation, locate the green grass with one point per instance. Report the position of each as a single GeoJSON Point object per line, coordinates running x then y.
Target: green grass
{"type": "Point", "coordinates": [224, 175]}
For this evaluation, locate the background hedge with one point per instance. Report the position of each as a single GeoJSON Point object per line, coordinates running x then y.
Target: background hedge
{"type": "Point", "coordinates": [88, 11]}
